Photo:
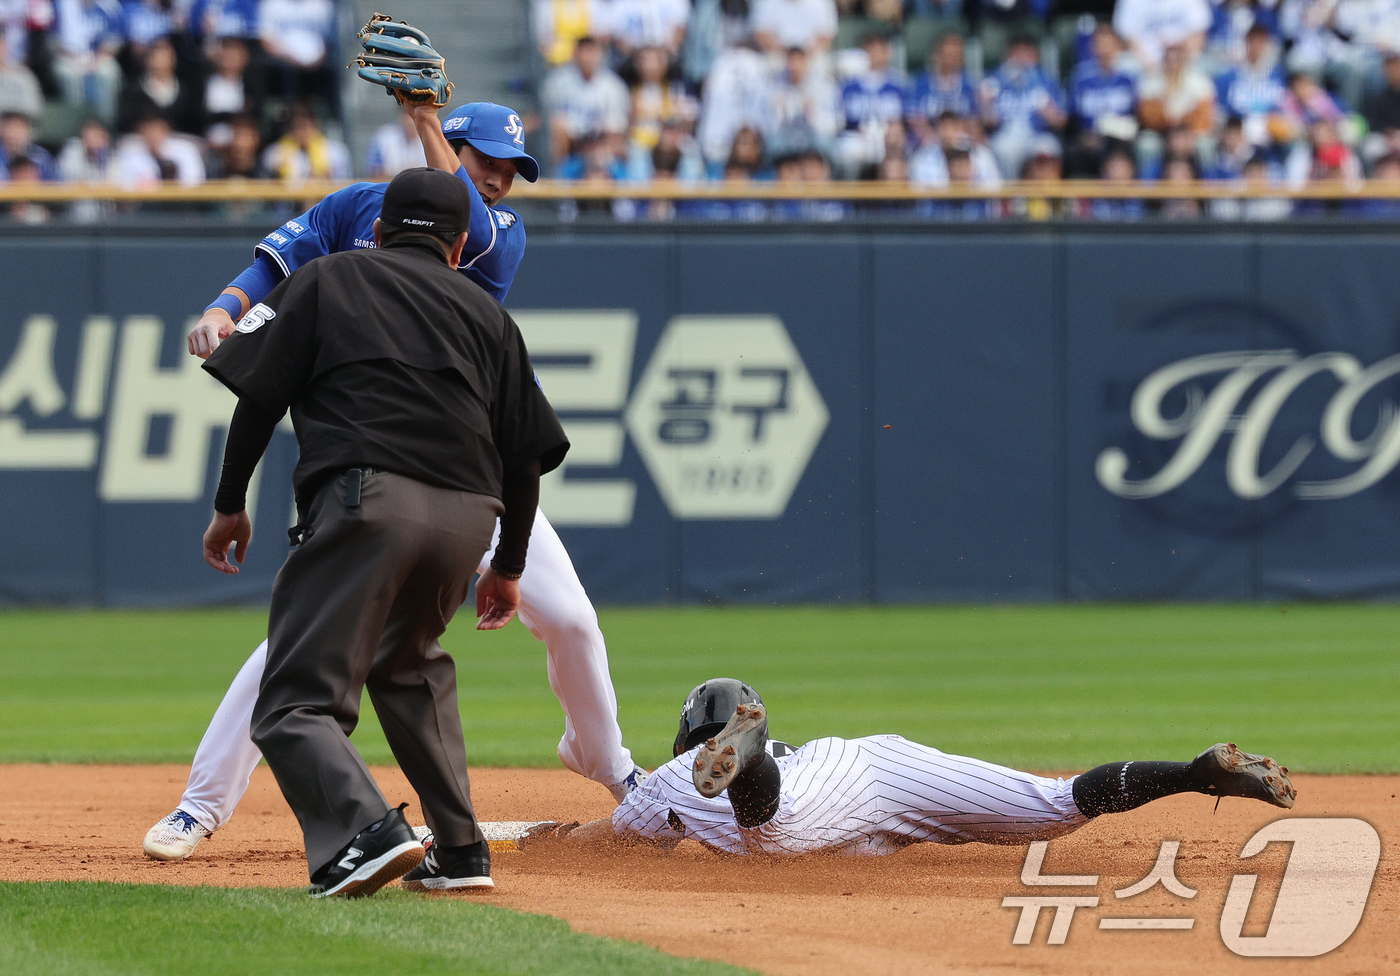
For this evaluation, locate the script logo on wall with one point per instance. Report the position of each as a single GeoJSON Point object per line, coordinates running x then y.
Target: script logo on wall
{"type": "Point", "coordinates": [1238, 397]}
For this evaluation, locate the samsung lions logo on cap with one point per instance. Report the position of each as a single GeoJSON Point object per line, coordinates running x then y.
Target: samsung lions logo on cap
{"type": "Point", "coordinates": [515, 130]}
{"type": "Point", "coordinates": [452, 125]}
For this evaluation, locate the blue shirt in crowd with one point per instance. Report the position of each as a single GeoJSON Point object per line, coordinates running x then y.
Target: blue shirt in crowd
{"type": "Point", "coordinates": [144, 22]}
{"type": "Point", "coordinates": [1230, 23]}
{"type": "Point", "coordinates": [932, 96]}
{"type": "Point", "coordinates": [224, 18]}
{"type": "Point", "coordinates": [1095, 93]}
{"type": "Point", "coordinates": [1243, 92]}
{"type": "Point", "coordinates": [38, 155]}
{"type": "Point", "coordinates": [872, 98]}
{"type": "Point", "coordinates": [92, 26]}
{"type": "Point", "coordinates": [1019, 92]}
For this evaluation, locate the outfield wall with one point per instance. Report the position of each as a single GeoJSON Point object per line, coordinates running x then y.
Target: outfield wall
{"type": "Point", "coordinates": [955, 415]}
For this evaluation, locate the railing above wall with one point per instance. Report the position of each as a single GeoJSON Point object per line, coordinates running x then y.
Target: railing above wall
{"type": "Point", "coordinates": [244, 191]}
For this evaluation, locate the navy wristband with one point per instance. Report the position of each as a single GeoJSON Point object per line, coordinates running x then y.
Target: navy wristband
{"type": "Point", "coordinates": [231, 304]}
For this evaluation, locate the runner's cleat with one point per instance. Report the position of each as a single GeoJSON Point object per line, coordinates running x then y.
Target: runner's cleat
{"type": "Point", "coordinates": [737, 747]}
{"type": "Point", "coordinates": [1226, 771]}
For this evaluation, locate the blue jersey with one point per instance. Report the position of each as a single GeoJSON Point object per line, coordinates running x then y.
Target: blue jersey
{"type": "Point", "coordinates": [233, 18]}
{"type": "Point", "coordinates": [144, 24]}
{"type": "Point", "coordinates": [1230, 23]}
{"type": "Point", "coordinates": [98, 25]}
{"type": "Point", "coordinates": [933, 95]}
{"type": "Point", "coordinates": [1019, 94]}
{"type": "Point", "coordinates": [872, 98]}
{"type": "Point", "coordinates": [1246, 93]}
{"type": "Point", "coordinates": [345, 220]}
{"type": "Point", "coordinates": [36, 154]}
{"type": "Point", "coordinates": [1095, 93]}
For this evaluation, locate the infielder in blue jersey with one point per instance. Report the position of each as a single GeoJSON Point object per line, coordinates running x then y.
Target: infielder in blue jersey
{"type": "Point", "coordinates": [484, 145]}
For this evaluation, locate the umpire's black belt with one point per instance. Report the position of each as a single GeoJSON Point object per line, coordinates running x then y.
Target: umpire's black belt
{"type": "Point", "coordinates": [354, 482]}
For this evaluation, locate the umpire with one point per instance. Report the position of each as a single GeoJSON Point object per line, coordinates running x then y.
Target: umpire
{"type": "Point", "coordinates": [420, 423]}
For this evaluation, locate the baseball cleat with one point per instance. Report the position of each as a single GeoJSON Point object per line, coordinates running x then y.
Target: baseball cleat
{"type": "Point", "coordinates": [1227, 771]}
{"type": "Point", "coordinates": [175, 837]}
{"type": "Point", "coordinates": [623, 789]}
{"type": "Point", "coordinates": [465, 867]}
{"type": "Point", "coordinates": [737, 747]}
{"type": "Point", "coordinates": [380, 853]}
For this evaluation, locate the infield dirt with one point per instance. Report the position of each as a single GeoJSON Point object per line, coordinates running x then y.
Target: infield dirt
{"type": "Point", "coordinates": [928, 909]}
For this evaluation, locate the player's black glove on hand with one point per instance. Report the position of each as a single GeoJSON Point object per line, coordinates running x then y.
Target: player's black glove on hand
{"type": "Point", "coordinates": [403, 61]}
{"type": "Point", "coordinates": [545, 833]}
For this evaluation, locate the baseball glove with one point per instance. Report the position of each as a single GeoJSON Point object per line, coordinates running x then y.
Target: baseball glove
{"type": "Point", "coordinates": [402, 60]}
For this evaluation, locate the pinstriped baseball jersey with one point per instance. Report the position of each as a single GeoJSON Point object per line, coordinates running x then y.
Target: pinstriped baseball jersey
{"type": "Point", "coordinates": [865, 796]}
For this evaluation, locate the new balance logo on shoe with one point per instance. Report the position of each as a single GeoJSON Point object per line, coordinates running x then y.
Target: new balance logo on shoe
{"type": "Point", "coordinates": [375, 856]}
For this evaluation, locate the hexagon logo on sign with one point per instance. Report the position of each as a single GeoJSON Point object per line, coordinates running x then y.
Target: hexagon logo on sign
{"type": "Point", "coordinates": [726, 417]}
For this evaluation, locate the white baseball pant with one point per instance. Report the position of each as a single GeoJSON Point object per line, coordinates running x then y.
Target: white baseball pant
{"type": "Point", "coordinates": [553, 605]}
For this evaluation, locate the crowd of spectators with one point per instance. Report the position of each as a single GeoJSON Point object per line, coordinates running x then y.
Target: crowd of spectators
{"type": "Point", "coordinates": [141, 92]}
{"type": "Point", "coordinates": [935, 93]}
{"type": "Point", "coordinates": [1283, 93]}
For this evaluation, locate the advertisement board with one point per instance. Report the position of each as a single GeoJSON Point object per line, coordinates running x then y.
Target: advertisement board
{"type": "Point", "coordinates": [782, 418]}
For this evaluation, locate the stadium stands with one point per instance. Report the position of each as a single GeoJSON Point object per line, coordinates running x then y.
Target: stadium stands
{"type": "Point", "coordinates": [944, 98]}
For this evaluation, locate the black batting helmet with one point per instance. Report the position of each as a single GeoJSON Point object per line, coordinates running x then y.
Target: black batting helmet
{"type": "Point", "coordinates": [708, 708]}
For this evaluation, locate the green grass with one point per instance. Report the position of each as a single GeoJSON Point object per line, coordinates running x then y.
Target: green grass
{"type": "Point", "coordinates": [1042, 687]}
{"type": "Point", "coordinates": [81, 928]}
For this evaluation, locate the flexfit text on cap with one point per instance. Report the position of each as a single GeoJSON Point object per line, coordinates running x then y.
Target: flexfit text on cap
{"type": "Point", "coordinates": [426, 199]}
{"type": "Point", "coordinates": [493, 130]}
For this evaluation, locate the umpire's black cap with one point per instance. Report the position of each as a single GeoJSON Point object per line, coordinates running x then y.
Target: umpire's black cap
{"type": "Point", "coordinates": [426, 199]}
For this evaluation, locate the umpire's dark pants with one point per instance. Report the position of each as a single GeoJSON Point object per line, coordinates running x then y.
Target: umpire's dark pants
{"type": "Point", "coordinates": [360, 604]}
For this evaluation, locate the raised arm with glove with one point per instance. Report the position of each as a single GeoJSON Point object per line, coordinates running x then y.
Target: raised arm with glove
{"type": "Point", "coordinates": [402, 60]}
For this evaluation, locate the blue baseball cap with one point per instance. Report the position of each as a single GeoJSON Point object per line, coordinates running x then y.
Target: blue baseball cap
{"type": "Point", "coordinates": [495, 131]}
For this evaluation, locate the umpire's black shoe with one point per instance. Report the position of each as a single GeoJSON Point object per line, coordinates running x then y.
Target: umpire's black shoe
{"type": "Point", "coordinates": [450, 868]}
{"type": "Point", "coordinates": [380, 853]}
{"type": "Point", "coordinates": [737, 747]}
